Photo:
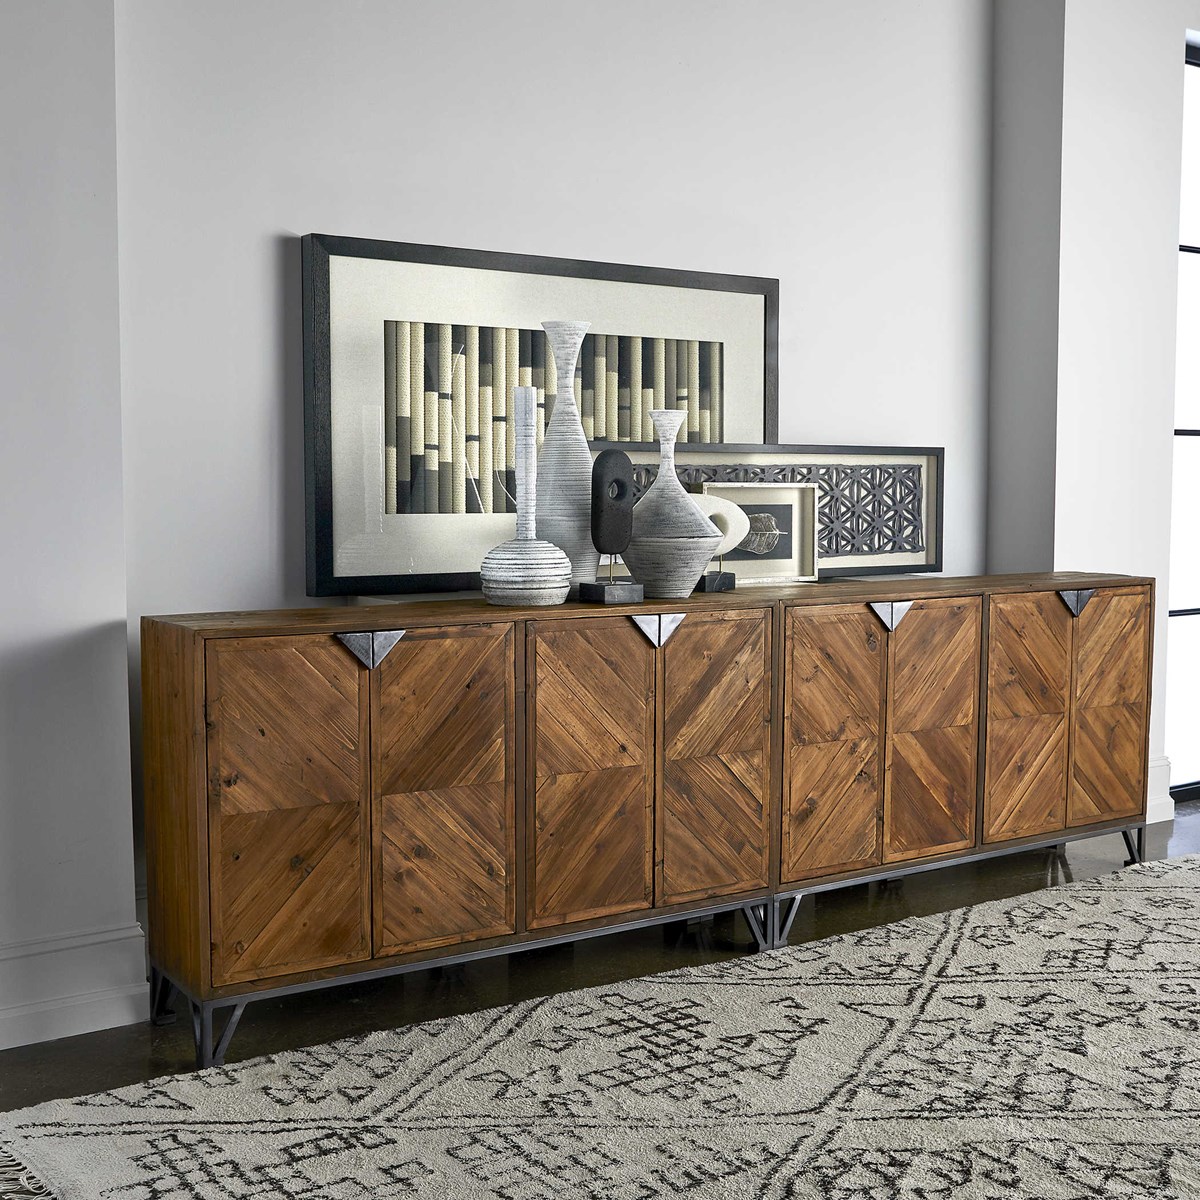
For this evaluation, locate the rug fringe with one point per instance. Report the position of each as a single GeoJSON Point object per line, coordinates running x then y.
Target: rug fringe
{"type": "Point", "coordinates": [18, 1182]}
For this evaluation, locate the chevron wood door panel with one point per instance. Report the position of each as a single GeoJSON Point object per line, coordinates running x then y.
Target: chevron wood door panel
{"type": "Point", "coordinates": [831, 818]}
{"type": "Point", "coordinates": [713, 808]}
{"type": "Point", "coordinates": [834, 690]}
{"type": "Point", "coordinates": [1028, 701]}
{"type": "Point", "coordinates": [932, 729]}
{"type": "Point", "coordinates": [1109, 727]}
{"type": "Point", "coordinates": [288, 805]}
{"type": "Point", "coordinates": [591, 744]}
{"type": "Point", "coordinates": [443, 764]}
{"type": "Point", "coordinates": [835, 656]}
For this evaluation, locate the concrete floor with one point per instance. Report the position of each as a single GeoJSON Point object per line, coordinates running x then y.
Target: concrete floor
{"type": "Point", "coordinates": [113, 1058]}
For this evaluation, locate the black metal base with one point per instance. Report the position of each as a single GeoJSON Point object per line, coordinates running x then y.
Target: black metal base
{"type": "Point", "coordinates": [1135, 843]}
{"type": "Point", "coordinates": [620, 592]}
{"type": "Point", "coordinates": [717, 581]}
{"type": "Point", "coordinates": [769, 919]}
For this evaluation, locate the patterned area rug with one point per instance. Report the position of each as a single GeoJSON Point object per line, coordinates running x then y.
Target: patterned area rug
{"type": "Point", "coordinates": [1041, 1047]}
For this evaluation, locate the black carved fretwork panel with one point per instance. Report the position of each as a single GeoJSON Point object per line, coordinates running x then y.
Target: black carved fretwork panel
{"type": "Point", "coordinates": [864, 509]}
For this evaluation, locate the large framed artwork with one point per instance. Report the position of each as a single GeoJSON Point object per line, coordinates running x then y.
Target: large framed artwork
{"type": "Point", "coordinates": [411, 354]}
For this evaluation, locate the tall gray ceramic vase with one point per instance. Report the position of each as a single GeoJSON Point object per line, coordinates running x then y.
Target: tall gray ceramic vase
{"type": "Point", "coordinates": [564, 474]}
{"type": "Point", "coordinates": [526, 570]}
{"type": "Point", "coordinates": [673, 540]}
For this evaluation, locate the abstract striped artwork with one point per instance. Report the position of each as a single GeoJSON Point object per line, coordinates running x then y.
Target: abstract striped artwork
{"type": "Point", "coordinates": [449, 445]}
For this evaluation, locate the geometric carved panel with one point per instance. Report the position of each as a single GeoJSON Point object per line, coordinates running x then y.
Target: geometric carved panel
{"type": "Point", "coordinates": [864, 508]}
{"type": "Point", "coordinates": [591, 821]}
{"type": "Point", "coordinates": [288, 778]}
{"type": "Point", "coordinates": [1029, 681]}
{"type": "Point", "coordinates": [443, 771]}
{"type": "Point", "coordinates": [834, 696]}
{"type": "Point", "coordinates": [1108, 757]}
{"type": "Point", "coordinates": [932, 728]}
{"type": "Point", "coordinates": [712, 815]}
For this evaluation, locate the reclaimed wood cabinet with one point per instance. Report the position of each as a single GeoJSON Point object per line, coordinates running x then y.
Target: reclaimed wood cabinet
{"type": "Point", "coordinates": [880, 731]}
{"type": "Point", "coordinates": [1068, 701]}
{"type": "Point", "coordinates": [336, 793]}
{"type": "Point", "coordinates": [650, 753]}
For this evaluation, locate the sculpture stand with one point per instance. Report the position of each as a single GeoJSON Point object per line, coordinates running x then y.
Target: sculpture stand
{"type": "Point", "coordinates": [611, 591]}
{"type": "Point", "coordinates": [719, 580]}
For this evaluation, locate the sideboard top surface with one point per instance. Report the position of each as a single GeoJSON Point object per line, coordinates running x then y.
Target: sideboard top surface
{"type": "Point", "coordinates": [475, 611]}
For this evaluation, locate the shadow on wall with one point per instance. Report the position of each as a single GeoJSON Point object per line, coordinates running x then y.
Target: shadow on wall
{"type": "Point", "coordinates": [289, 346]}
{"type": "Point", "coordinates": [64, 783]}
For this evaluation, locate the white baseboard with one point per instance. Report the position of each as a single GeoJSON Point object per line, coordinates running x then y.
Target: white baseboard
{"type": "Point", "coordinates": [73, 983]}
{"type": "Point", "coordinates": [1159, 805]}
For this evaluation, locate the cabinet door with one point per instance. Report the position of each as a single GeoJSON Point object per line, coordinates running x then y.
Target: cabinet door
{"type": "Point", "coordinates": [591, 728]}
{"type": "Point", "coordinates": [835, 659]}
{"type": "Point", "coordinates": [443, 758]}
{"type": "Point", "coordinates": [1028, 688]}
{"type": "Point", "coordinates": [933, 699]}
{"type": "Point", "coordinates": [1108, 734]}
{"type": "Point", "coordinates": [288, 793]}
{"type": "Point", "coordinates": [712, 809]}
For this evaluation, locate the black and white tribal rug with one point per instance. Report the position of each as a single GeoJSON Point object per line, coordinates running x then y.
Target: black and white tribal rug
{"type": "Point", "coordinates": [1046, 1046]}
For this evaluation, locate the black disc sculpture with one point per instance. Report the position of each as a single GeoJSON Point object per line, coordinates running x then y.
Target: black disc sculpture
{"type": "Point", "coordinates": [612, 526]}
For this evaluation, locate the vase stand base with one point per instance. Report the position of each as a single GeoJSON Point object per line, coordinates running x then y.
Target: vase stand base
{"type": "Point", "coordinates": [717, 581]}
{"type": "Point", "coordinates": [611, 593]}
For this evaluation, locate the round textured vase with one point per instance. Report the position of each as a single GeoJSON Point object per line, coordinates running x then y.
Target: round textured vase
{"type": "Point", "coordinates": [526, 570]}
{"type": "Point", "coordinates": [673, 540]}
{"type": "Point", "coordinates": [564, 474]}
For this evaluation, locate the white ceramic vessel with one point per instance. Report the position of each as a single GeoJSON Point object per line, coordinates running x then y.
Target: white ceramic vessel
{"type": "Point", "coordinates": [564, 474]}
{"type": "Point", "coordinates": [526, 570]}
{"type": "Point", "coordinates": [673, 541]}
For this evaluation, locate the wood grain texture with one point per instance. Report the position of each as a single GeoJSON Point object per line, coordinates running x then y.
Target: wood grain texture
{"type": "Point", "coordinates": [715, 772]}
{"type": "Point", "coordinates": [461, 612]}
{"type": "Point", "coordinates": [932, 731]}
{"type": "Point", "coordinates": [1111, 707]}
{"type": "Point", "coordinates": [288, 805]}
{"type": "Point", "coordinates": [1028, 693]}
{"type": "Point", "coordinates": [443, 754]}
{"type": "Point", "coordinates": [176, 803]}
{"type": "Point", "coordinates": [833, 729]}
{"type": "Point", "coordinates": [591, 725]}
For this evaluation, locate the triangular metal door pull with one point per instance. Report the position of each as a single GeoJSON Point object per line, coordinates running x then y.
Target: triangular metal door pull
{"type": "Point", "coordinates": [649, 626]}
{"type": "Point", "coordinates": [883, 610]}
{"type": "Point", "coordinates": [659, 627]}
{"type": "Point", "coordinates": [1077, 600]}
{"type": "Point", "coordinates": [890, 612]}
{"type": "Point", "coordinates": [384, 642]}
{"type": "Point", "coordinates": [668, 623]}
{"type": "Point", "coordinates": [371, 648]}
{"type": "Point", "coordinates": [360, 645]}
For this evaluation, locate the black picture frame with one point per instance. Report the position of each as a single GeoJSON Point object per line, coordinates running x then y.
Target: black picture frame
{"type": "Point", "coordinates": [731, 455]}
{"type": "Point", "coordinates": [317, 250]}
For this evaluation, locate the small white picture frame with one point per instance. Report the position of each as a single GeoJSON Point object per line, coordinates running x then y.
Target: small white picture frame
{"type": "Point", "coordinates": [782, 544]}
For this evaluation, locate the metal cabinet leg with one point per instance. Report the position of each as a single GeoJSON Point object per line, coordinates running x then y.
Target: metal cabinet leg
{"type": "Point", "coordinates": [784, 916]}
{"type": "Point", "coordinates": [759, 918]}
{"type": "Point", "coordinates": [208, 1052]}
{"type": "Point", "coordinates": [161, 989]}
{"type": "Point", "coordinates": [202, 1033]}
{"type": "Point", "coordinates": [1136, 848]}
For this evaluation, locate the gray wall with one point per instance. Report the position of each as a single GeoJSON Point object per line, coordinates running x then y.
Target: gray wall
{"type": "Point", "coordinates": [1027, 72]}
{"type": "Point", "coordinates": [756, 138]}
{"type": "Point", "coordinates": [67, 931]}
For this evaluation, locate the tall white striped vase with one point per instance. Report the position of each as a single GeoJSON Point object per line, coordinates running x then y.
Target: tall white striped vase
{"type": "Point", "coordinates": [526, 570]}
{"type": "Point", "coordinates": [564, 474]}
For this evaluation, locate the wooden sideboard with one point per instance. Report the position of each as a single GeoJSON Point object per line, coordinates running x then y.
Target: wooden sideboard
{"type": "Point", "coordinates": [332, 793]}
